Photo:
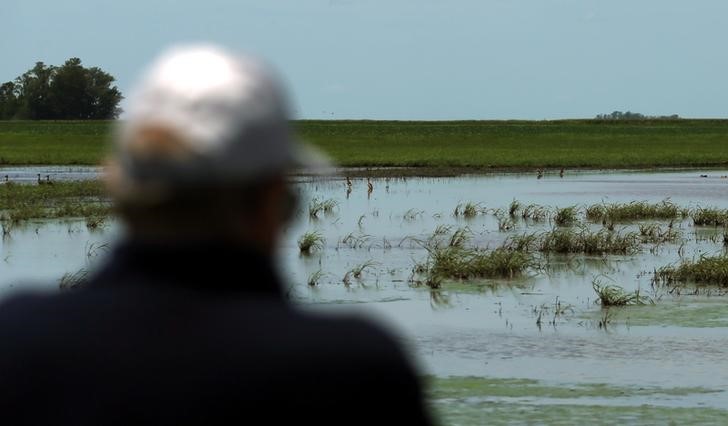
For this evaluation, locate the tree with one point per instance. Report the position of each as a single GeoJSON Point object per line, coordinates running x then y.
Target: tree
{"type": "Point", "coordinates": [69, 91]}
{"type": "Point", "coordinates": [9, 102]}
{"type": "Point", "coordinates": [34, 92]}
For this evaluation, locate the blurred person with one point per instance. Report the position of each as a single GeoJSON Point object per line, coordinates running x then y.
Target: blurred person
{"type": "Point", "coordinates": [186, 323]}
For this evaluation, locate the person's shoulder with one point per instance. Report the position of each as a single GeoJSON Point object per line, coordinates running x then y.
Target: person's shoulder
{"type": "Point", "coordinates": [30, 311]}
{"type": "Point", "coordinates": [357, 335]}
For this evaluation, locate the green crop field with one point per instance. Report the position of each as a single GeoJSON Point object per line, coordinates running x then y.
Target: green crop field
{"type": "Point", "coordinates": [438, 144]}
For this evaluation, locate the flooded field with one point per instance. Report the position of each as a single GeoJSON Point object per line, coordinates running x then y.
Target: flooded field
{"type": "Point", "coordinates": [532, 344]}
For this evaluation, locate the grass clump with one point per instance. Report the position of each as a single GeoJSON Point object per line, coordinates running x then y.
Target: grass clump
{"type": "Point", "coordinates": [514, 208]}
{"type": "Point", "coordinates": [588, 242]}
{"type": "Point", "coordinates": [310, 242]}
{"type": "Point", "coordinates": [85, 199]}
{"type": "Point", "coordinates": [468, 210]}
{"type": "Point", "coordinates": [317, 207]}
{"type": "Point", "coordinates": [357, 271]}
{"type": "Point", "coordinates": [73, 280]}
{"type": "Point", "coordinates": [356, 241]}
{"type": "Point", "coordinates": [412, 214]}
{"type": "Point", "coordinates": [314, 278]}
{"type": "Point", "coordinates": [566, 216]}
{"type": "Point", "coordinates": [655, 234]}
{"type": "Point", "coordinates": [710, 217]}
{"type": "Point", "coordinates": [635, 210]}
{"type": "Point", "coordinates": [462, 263]}
{"type": "Point", "coordinates": [708, 270]}
{"type": "Point", "coordinates": [525, 242]}
{"type": "Point", "coordinates": [614, 295]}
{"type": "Point", "coordinates": [535, 213]}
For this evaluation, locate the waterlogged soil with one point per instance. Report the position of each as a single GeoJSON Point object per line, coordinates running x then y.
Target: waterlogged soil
{"type": "Point", "coordinates": [531, 349]}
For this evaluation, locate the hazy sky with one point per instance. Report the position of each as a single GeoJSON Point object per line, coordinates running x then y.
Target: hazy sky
{"type": "Point", "coordinates": [413, 59]}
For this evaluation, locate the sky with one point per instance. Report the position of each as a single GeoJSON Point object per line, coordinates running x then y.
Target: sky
{"type": "Point", "coordinates": [412, 59]}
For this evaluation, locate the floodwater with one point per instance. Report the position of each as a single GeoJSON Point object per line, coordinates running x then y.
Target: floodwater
{"type": "Point", "coordinates": [29, 174]}
{"type": "Point", "coordinates": [485, 357]}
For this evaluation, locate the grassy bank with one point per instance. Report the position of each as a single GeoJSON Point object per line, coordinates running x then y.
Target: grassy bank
{"type": "Point", "coordinates": [451, 144]}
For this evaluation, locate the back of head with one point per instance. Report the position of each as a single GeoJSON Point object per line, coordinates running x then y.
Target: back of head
{"type": "Point", "coordinates": [205, 136]}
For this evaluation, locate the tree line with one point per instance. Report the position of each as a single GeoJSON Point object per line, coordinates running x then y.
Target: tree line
{"type": "Point", "coordinates": [619, 115]}
{"type": "Point", "coordinates": [67, 92]}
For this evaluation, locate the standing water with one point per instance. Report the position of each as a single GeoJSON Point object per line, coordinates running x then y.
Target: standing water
{"type": "Point", "coordinates": [535, 347]}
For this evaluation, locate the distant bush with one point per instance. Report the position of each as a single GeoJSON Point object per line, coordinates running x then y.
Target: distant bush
{"type": "Point", "coordinates": [619, 115]}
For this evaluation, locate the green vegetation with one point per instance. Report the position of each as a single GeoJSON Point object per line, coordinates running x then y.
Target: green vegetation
{"type": "Point", "coordinates": [456, 262]}
{"type": "Point", "coordinates": [69, 91]}
{"type": "Point", "coordinates": [566, 216]}
{"type": "Point", "coordinates": [701, 313]}
{"type": "Point", "coordinates": [311, 241]}
{"type": "Point", "coordinates": [357, 271]}
{"type": "Point", "coordinates": [321, 206]}
{"type": "Point", "coordinates": [710, 216]}
{"type": "Point", "coordinates": [469, 210]}
{"type": "Point", "coordinates": [452, 146]}
{"type": "Point", "coordinates": [655, 234]}
{"type": "Point", "coordinates": [635, 210]}
{"type": "Point", "coordinates": [522, 144]}
{"type": "Point", "coordinates": [614, 295]}
{"type": "Point", "coordinates": [73, 280]}
{"type": "Point", "coordinates": [61, 199]}
{"type": "Point", "coordinates": [584, 241]}
{"type": "Point", "coordinates": [314, 278]}
{"type": "Point", "coordinates": [535, 213]}
{"type": "Point", "coordinates": [709, 270]}
{"type": "Point", "coordinates": [54, 142]}
{"type": "Point", "coordinates": [480, 400]}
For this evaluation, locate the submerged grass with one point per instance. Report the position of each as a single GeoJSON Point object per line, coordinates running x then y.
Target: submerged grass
{"type": "Point", "coordinates": [468, 210]}
{"type": "Point", "coordinates": [462, 263]}
{"type": "Point", "coordinates": [614, 295]}
{"type": "Point", "coordinates": [708, 270]}
{"type": "Point", "coordinates": [708, 216]}
{"type": "Point", "coordinates": [73, 281]}
{"type": "Point", "coordinates": [566, 216]}
{"type": "Point", "coordinates": [535, 213]}
{"type": "Point", "coordinates": [357, 271]}
{"type": "Point", "coordinates": [582, 240]}
{"type": "Point", "coordinates": [314, 278]}
{"type": "Point", "coordinates": [310, 242]}
{"type": "Point", "coordinates": [86, 199]}
{"type": "Point", "coordinates": [635, 210]}
{"type": "Point", "coordinates": [655, 234]}
{"type": "Point", "coordinates": [317, 207]}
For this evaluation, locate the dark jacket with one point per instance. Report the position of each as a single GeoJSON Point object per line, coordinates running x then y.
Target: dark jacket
{"type": "Point", "coordinates": [195, 335]}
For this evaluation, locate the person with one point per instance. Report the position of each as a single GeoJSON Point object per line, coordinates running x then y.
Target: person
{"type": "Point", "coordinates": [187, 322]}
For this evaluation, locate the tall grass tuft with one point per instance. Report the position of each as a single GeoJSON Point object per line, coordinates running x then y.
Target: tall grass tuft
{"type": "Point", "coordinates": [468, 210]}
{"type": "Point", "coordinates": [310, 242]}
{"type": "Point", "coordinates": [317, 207]}
{"type": "Point", "coordinates": [314, 278]}
{"type": "Point", "coordinates": [462, 263]}
{"type": "Point", "coordinates": [614, 295]}
{"type": "Point", "coordinates": [710, 217]}
{"type": "Point", "coordinates": [566, 216]}
{"type": "Point", "coordinates": [357, 271]}
{"type": "Point", "coordinates": [73, 281]}
{"type": "Point", "coordinates": [535, 213]}
{"type": "Point", "coordinates": [655, 234]}
{"type": "Point", "coordinates": [635, 210]}
{"type": "Point", "coordinates": [514, 208]}
{"type": "Point", "coordinates": [708, 270]}
{"type": "Point", "coordinates": [584, 241]}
